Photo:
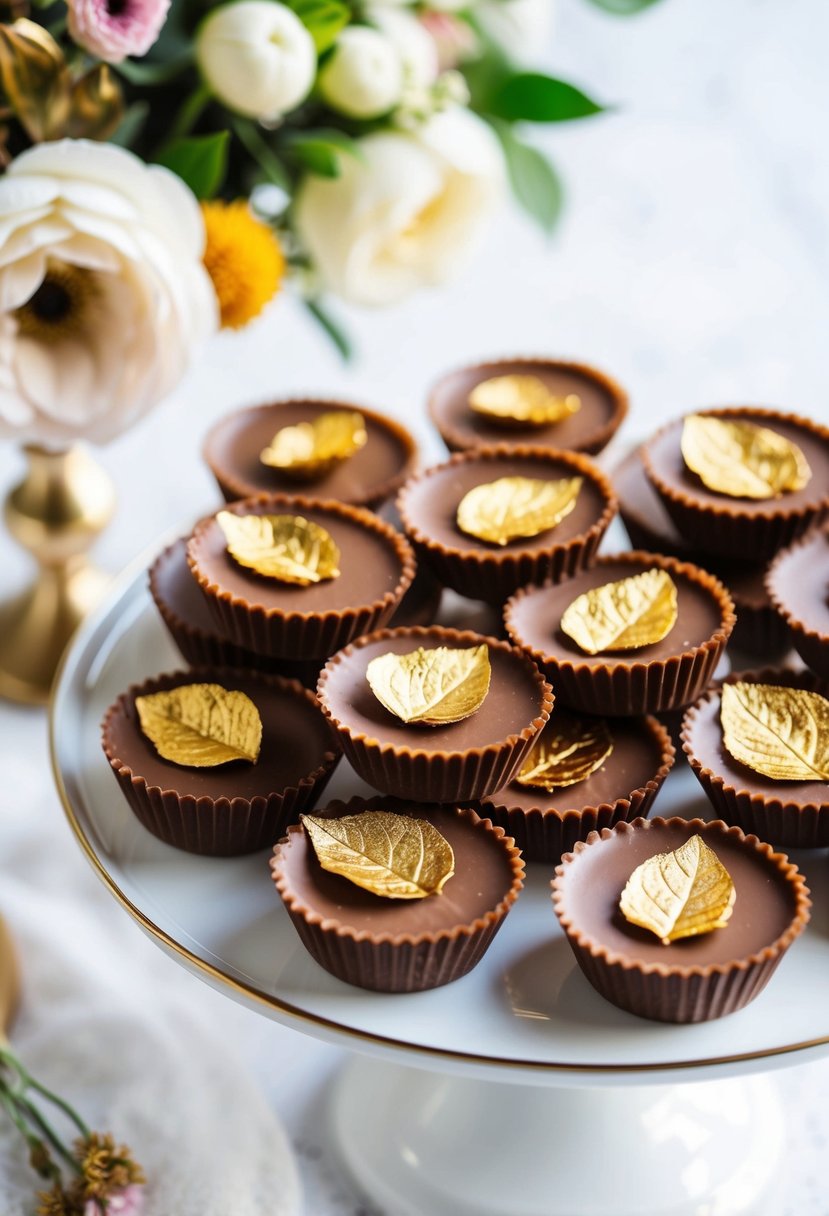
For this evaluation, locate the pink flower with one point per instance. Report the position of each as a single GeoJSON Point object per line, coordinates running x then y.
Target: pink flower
{"type": "Point", "coordinates": [129, 1202]}
{"type": "Point", "coordinates": [113, 29]}
{"type": "Point", "coordinates": [454, 40]}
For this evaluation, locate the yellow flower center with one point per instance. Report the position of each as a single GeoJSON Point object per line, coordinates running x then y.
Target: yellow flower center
{"type": "Point", "coordinates": [61, 305]}
{"type": "Point", "coordinates": [244, 261]}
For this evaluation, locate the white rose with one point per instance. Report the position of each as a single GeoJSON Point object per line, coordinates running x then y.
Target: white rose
{"type": "Point", "coordinates": [414, 45]}
{"type": "Point", "coordinates": [407, 213]}
{"type": "Point", "coordinates": [363, 77]}
{"type": "Point", "coordinates": [257, 57]}
{"type": "Point", "coordinates": [103, 295]}
{"type": "Point", "coordinates": [522, 28]}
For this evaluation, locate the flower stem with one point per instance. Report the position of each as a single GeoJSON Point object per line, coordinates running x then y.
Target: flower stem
{"type": "Point", "coordinates": [27, 1081]}
{"type": "Point", "coordinates": [189, 113]}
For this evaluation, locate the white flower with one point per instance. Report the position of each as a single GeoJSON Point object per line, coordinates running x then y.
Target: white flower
{"type": "Point", "coordinates": [522, 28]}
{"type": "Point", "coordinates": [363, 77]}
{"type": "Point", "coordinates": [257, 57]}
{"type": "Point", "coordinates": [414, 45]}
{"type": "Point", "coordinates": [407, 213]}
{"type": "Point", "coordinates": [103, 295]}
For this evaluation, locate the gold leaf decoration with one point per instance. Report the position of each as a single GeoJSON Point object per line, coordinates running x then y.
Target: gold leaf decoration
{"type": "Point", "coordinates": [34, 78]}
{"type": "Point", "coordinates": [742, 459]}
{"type": "Point", "coordinates": [566, 752]}
{"type": "Point", "coordinates": [201, 725]}
{"type": "Point", "coordinates": [524, 400]}
{"type": "Point", "coordinates": [285, 547]}
{"type": "Point", "coordinates": [434, 687]}
{"type": "Point", "coordinates": [390, 855]}
{"type": "Point", "coordinates": [512, 507]}
{"type": "Point", "coordinates": [96, 104]}
{"type": "Point", "coordinates": [309, 450]}
{"type": "Point", "coordinates": [626, 615]}
{"type": "Point", "coordinates": [680, 894]}
{"type": "Point", "coordinates": [782, 733]}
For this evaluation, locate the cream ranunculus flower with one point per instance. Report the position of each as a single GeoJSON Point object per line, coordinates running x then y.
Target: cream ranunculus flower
{"type": "Point", "coordinates": [103, 295]}
{"type": "Point", "coordinates": [363, 76]}
{"type": "Point", "coordinates": [407, 212]}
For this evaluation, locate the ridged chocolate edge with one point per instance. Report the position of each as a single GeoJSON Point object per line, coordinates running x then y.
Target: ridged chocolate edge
{"type": "Point", "coordinates": [674, 993]}
{"type": "Point", "coordinates": [810, 644]}
{"type": "Point", "coordinates": [463, 776]}
{"type": "Point", "coordinates": [620, 688]}
{"type": "Point", "coordinates": [220, 827]}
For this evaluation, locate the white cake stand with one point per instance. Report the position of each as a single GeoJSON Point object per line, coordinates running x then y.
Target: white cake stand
{"type": "Point", "coordinates": [516, 1091]}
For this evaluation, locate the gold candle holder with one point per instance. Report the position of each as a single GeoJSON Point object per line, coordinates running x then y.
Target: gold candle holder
{"type": "Point", "coordinates": [56, 512]}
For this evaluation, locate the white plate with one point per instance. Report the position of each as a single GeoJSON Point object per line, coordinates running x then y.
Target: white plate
{"type": "Point", "coordinates": [525, 1011]}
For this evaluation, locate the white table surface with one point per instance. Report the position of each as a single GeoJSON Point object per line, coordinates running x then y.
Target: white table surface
{"type": "Point", "coordinates": [692, 263]}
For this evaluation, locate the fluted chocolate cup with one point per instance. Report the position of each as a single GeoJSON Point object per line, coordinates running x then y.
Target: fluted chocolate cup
{"type": "Point", "coordinates": [798, 586]}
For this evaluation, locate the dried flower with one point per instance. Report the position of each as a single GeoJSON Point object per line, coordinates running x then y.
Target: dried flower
{"type": "Point", "coordinates": [113, 29]}
{"type": "Point", "coordinates": [244, 261]}
{"type": "Point", "coordinates": [106, 1168]}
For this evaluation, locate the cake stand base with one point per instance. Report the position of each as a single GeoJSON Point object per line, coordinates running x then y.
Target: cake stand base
{"type": "Point", "coordinates": [426, 1144]}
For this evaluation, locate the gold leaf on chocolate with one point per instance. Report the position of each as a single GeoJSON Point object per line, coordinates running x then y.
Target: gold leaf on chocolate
{"type": "Point", "coordinates": [201, 725]}
{"type": "Point", "coordinates": [309, 450]}
{"type": "Point", "coordinates": [679, 894]}
{"type": "Point", "coordinates": [285, 547]}
{"type": "Point", "coordinates": [521, 399]}
{"type": "Point", "coordinates": [390, 855]}
{"type": "Point", "coordinates": [511, 507]}
{"type": "Point", "coordinates": [626, 615]}
{"type": "Point", "coordinates": [782, 733]}
{"type": "Point", "coordinates": [435, 686]}
{"type": "Point", "coordinates": [742, 459]}
{"type": "Point", "coordinates": [566, 752]}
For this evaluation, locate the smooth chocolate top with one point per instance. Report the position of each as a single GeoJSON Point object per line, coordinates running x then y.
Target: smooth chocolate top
{"type": "Point", "coordinates": [179, 591]}
{"type": "Point", "coordinates": [763, 909]}
{"type": "Point", "coordinates": [295, 738]}
{"type": "Point", "coordinates": [512, 703]}
{"type": "Point", "coordinates": [483, 876]}
{"type": "Point", "coordinates": [635, 760]}
{"type": "Point", "coordinates": [369, 565]}
{"type": "Point", "coordinates": [449, 401]}
{"type": "Point", "coordinates": [705, 738]}
{"type": "Point", "coordinates": [536, 616]}
{"type": "Point", "coordinates": [668, 464]}
{"type": "Point", "coordinates": [432, 501]}
{"type": "Point", "coordinates": [801, 582]}
{"type": "Point", "coordinates": [233, 446]}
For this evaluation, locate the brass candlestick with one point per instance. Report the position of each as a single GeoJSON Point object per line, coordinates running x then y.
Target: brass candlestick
{"type": "Point", "coordinates": [56, 512]}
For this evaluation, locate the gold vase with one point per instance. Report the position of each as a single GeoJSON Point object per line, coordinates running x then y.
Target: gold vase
{"type": "Point", "coordinates": [56, 512]}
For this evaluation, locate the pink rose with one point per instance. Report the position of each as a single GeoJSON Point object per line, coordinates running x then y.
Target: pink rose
{"type": "Point", "coordinates": [129, 1202]}
{"type": "Point", "coordinates": [113, 29]}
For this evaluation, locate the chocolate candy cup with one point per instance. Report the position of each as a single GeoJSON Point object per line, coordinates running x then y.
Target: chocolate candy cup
{"type": "Point", "coordinates": [698, 978]}
{"type": "Point", "coordinates": [429, 501]}
{"type": "Point", "coordinates": [735, 527]}
{"type": "Point", "coordinates": [231, 808]}
{"type": "Point", "coordinates": [798, 585]}
{"type": "Point", "coordinates": [653, 678]}
{"type": "Point", "coordinates": [401, 945]}
{"type": "Point", "coordinates": [790, 813]}
{"type": "Point", "coordinates": [459, 762]}
{"type": "Point", "coordinates": [284, 621]}
{"type": "Point", "coordinates": [546, 824]}
{"type": "Point", "coordinates": [604, 404]}
{"type": "Point", "coordinates": [370, 476]}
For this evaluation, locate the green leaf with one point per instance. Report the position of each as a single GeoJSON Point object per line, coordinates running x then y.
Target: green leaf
{"type": "Point", "coordinates": [624, 8]}
{"type": "Point", "coordinates": [143, 72]}
{"type": "Point", "coordinates": [322, 18]}
{"type": "Point", "coordinates": [199, 160]}
{"type": "Point", "coordinates": [271, 166]}
{"type": "Point", "coordinates": [534, 181]}
{"type": "Point", "coordinates": [331, 327]}
{"type": "Point", "coordinates": [320, 151]}
{"type": "Point", "coordinates": [534, 97]}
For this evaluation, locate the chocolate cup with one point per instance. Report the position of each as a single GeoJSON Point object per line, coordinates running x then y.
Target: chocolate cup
{"type": "Point", "coordinates": [736, 526]}
{"type": "Point", "coordinates": [794, 814]}
{"type": "Point", "coordinates": [543, 832]}
{"type": "Point", "coordinates": [403, 957]}
{"type": "Point", "coordinates": [604, 406]}
{"type": "Point", "coordinates": [798, 586]}
{"type": "Point", "coordinates": [652, 679]}
{"type": "Point", "coordinates": [492, 572]}
{"type": "Point", "coordinates": [695, 979]}
{"type": "Point", "coordinates": [215, 824]}
{"type": "Point", "coordinates": [233, 444]}
{"type": "Point", "coordinates": [460, 762]}
{"type": "Point", "coordinates": [265, 620]}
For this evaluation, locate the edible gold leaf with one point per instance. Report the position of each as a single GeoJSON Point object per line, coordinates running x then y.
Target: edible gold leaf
{"type": "Point", "coordinates": [525, 400]}
{"type": "Point", "coordinates": [566, 752]}
{"type": "Point", "coordinates": [680, 894]}
{"type": "Point", "coordinates": [626, 615]}
{"type": "Point", "coordinates": [511, 507]}
{"type": "Point", "coordinates": [201, 725]}
{"type": "Point", "coordinates": [780, 732]}
{"type": "Point", "coordinates": [285, 547]}
{"type": "Point", "coordinates": [435, 687]}
{"type": "Point", "coordinates": [742, 459]}
{"type": "Point", "coordinates": [390, 855]}
{"type": "Point", "coordinates": [309, 450]}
